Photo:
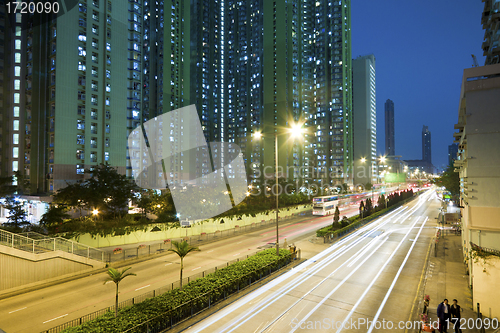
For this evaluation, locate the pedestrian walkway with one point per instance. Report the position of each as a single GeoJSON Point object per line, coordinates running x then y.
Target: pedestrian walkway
{"type": "Point", "coordinates": [446, 277]}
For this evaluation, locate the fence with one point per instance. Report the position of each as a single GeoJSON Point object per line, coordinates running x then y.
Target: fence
{"type": "Point", "coordinates": [42, 244]}
{"type": "Point", "coordinates": [164, 289]}
{"type": "Point", "coordinates": [120, 254]}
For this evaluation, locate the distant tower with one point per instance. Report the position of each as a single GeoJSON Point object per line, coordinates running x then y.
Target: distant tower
{"type": "Point", "coordinates": [426, 144]}
{"type": "Point", "coordinates": [389, 128]}
{"type": "Point", "coordinates": [452, 153]}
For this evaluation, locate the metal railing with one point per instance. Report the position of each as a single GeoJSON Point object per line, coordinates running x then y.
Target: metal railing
{"type": "Point", "coordinates": [484, 250]}
{"type": "Point", "coordinates": [43, 245]}
{"type": "Point", "coordinates": [157, 292]}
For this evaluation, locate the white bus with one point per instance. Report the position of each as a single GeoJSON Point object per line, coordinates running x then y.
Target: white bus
{"type": "Point", "coordinates": [325, 205]}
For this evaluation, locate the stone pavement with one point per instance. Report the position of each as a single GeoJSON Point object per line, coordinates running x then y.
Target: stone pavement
{"type": "Point", "coordinates": [446, 277]}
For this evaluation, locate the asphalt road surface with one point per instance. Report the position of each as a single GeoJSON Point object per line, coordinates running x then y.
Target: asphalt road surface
{"type": "Point", "coordinates": [366, 282]}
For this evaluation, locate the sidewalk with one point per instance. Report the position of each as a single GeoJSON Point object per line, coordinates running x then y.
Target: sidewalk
{"type": "Point", "coordinates": [446, 277]}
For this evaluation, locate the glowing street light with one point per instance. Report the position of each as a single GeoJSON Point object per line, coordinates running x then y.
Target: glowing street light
{"type": "Point", "coordinates": [296, 131]}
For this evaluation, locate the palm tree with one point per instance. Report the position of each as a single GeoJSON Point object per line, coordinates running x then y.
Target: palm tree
{"type": "Point", "coordinates": [116, 276]}
{"type": "Point", "coordinates": [182, 249]}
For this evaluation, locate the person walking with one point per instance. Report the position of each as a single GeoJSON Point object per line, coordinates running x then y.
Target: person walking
{"type": "Point", "coordinates": [456, 315]}
{"type": "Point", "coordinates": [443, 313]}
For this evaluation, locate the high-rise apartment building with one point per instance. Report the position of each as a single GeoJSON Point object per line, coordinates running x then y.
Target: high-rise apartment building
{"type": "Point", "coordinates": [491, 26]}
{"type": "Point", "coordinates": [5, 119]}
{"type": "Point", "coordinates": [74, 84]}
{"type": "Point", "coordinates": [426, 145]}
{"type": "Point", "coordinates": [390, 147]}
{"type": "Point", "coordinates": [260, 66]}
{"type": "Point", "coordinates": [365, 119]}
{"type": "Point", "coordinates": [79, 83]}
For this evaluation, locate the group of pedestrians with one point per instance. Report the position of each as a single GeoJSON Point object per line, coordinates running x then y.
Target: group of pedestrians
{"type": "Point", "coordinates": [449, 316]}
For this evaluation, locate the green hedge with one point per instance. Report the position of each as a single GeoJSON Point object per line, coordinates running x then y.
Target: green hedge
{"type": "Point", "coordinates": [229, 277]}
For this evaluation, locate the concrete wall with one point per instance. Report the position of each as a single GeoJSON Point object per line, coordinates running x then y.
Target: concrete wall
{"type": "Point", "coordinates": [486, 275]}
{"type": "Point", "coordinates": [198, 227]}
{"type": "Point", "coordinates": [19, 268]}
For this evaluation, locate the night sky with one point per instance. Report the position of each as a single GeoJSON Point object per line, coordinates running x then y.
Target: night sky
{"type": "Point", "coordinates": [421, 48]}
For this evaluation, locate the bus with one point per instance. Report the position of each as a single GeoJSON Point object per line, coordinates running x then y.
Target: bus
{"type": "Point", "coordinates": [325, 205]}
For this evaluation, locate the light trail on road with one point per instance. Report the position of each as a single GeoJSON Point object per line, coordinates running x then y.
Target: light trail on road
{"type": "Point", "coordinates": [359, 247]}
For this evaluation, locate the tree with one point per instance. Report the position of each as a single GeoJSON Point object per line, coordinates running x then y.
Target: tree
{"type": "Point", "coordinates": [116, 276]}
{"type": "Point", "coordinates": [106, 190]}
{"type": "Point", "coordinates": [110, 190]}
{"type": "Point", "coordinates": [381, 201]}
{"type": "Point", "coordinates": [336, 216]}
{"type": "Point", "coordinates": [54, 216]}
{"type": "Point", "coordinates": [368, 186]}
{"type": "Point", "coordinates": [73, 196]}
{"type": "Point", "coordinates": [368, 207]}
{"type": "Point", "coordinates": [17, 214]}
{"type": "Point", "coordinates": [182, 249]}
{"type": "Point", "coordinates": [345, 222]}
{"type": "Point", "coordinates": [23, 184]}
{"type": "Point", "coordinates": [450, 180]}
{"type": "Point", "coordinates": [361, 209]}
{"type": "Point", "coordinates": [144, 203]}
{"type": "Point", "coordinates": [6, 187]}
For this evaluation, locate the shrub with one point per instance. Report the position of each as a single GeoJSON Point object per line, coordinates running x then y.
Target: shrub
{"type": "Point", "coordinates": [228, 277]}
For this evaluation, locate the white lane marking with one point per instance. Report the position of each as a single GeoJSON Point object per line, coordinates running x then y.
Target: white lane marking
{"type": "Point", "coordinates": [18, 309]}
{"type": "Point", "coordinates": [417, 217]}
{"type": "Point", "coordinates": [327, 261]}
{"type": "Point", "coordinates": [340, 284]}
{"type": "Point", "coordinates": [239, 242]}
{"type": "Point", "coordinates": [346, 319]}
{"type": "Point", "coordinates": [210, 251]}
{"type": "Point", "coordinates": [330, 255]}
{"type": "Point", "coordinates": [396, 212]}
{"type": "Point", "coordinates": [142, 287]}
{"type": "Point", "coordinates": [396, 277]}
{"type": "Point", "coordinates": [196, 268]}
{"type": "Point", "coordinates": [168, 264]}
{"type": "Point", "coordinates": [55, 318]}
{"type": "Point", "coordinates": [236, 254]}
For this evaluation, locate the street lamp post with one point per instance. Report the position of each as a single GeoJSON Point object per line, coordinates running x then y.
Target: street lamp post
{"type": "Point", "coordinates": [296, 130]}
{"type": "Point", "coordinates": [277, 201]}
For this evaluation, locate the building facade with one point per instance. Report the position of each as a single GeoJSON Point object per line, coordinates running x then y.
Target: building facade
{"type": "Point", "coordinates": [491, 25]}
{"type": "Point", "coordinates": [426, 145]}
{"type": "Point", "coordinates": [365, 119]}
{"type": "Point", "coordinates": [390, 144]}
{"type": "Point", "coordinates": [478, 140]}
{"type": "Point", "coordinates": [76, 85]}
{"type": "Point", "coordinates": [257, 67]}
{"type": "Point", "coordinates": [72, 81]}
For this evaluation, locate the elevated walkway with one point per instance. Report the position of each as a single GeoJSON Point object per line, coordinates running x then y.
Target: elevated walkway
{"type": "Point", "coordinates": [31, 259]}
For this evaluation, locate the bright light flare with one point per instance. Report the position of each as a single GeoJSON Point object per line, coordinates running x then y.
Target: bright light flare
{"type": "Point", "coordinates": [297, 131]}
